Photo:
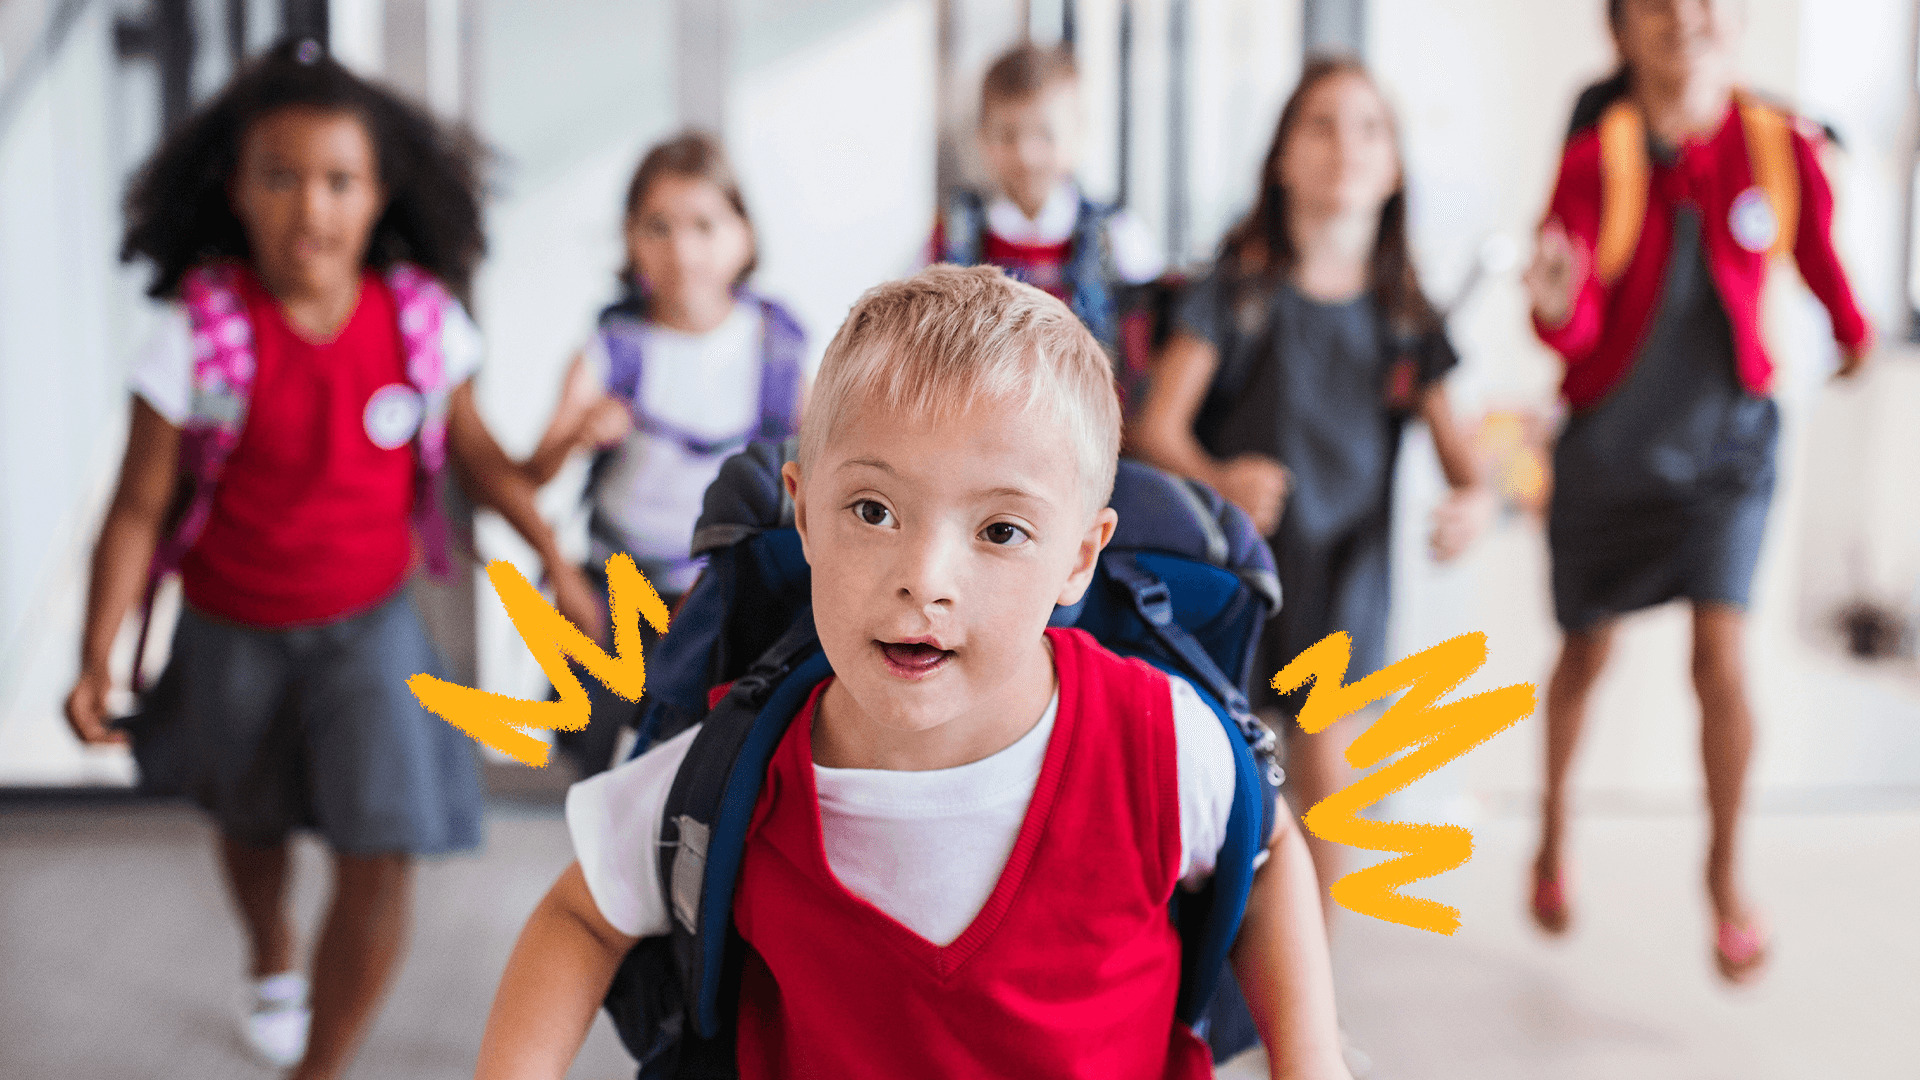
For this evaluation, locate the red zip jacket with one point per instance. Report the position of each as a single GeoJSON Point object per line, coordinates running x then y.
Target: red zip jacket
{"type": "Point", "coordinates": [1607, 322]}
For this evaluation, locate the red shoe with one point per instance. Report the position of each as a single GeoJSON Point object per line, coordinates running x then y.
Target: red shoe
{"type": "Point", "coordinates": [1740, 951]}
{"type": "Point", "coordinates": [1551, 912]}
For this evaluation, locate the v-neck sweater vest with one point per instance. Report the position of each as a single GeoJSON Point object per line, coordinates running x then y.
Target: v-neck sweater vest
{"type": "Point", "coordinates": [1070, 970]}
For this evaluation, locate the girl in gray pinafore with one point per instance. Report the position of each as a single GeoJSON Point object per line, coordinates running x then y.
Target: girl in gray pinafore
{"type": "Point", "coordinates": [1292, 370]}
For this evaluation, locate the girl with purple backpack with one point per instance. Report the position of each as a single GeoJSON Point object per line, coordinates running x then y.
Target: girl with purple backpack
{"type": "Point", "coordinates": [685, 369]}
{"type": "Point", "coordinates": [302, 401]}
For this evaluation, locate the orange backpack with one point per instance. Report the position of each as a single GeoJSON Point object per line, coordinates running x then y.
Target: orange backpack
{"type": "Point", "coordinates": [1626, 171]}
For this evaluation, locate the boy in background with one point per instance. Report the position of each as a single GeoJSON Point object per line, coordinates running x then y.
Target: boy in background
{"type": "Point", "coordinates": [1036, 223]}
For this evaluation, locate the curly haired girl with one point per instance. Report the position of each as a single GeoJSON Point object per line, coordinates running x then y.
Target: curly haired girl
{"type": "Point", "coordinates": [307, 390]}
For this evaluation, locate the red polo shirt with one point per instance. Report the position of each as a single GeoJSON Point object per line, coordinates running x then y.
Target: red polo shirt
{"type": "Point", "coordinates": [310, 521]}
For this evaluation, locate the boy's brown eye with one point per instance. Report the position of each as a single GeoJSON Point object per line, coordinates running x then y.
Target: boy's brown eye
{"type": "Point", "coordinates": [872, 512]}
{"type": "Point", "coordinates": [1003, 534]}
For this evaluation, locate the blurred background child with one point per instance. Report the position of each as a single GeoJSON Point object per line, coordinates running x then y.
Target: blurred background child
{"type": "Point", "coordinates": [302, 399]}
{"type": "Point", "coordinates": [685, 368]}
{"type": "Point", "coordinates": [1035, 222]}
{"type": "Point", "coordinates": [1293, 367]}
{"type": "Point", "coordinates": [1673, 192]}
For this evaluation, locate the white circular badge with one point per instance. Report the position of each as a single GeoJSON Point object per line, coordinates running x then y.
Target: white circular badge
{"type": "Point", "coordinates": [393, 415]}
{"type": "Point", "coordinates": [1754, 225]}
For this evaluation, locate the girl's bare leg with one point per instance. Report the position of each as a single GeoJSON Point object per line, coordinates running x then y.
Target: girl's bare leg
{"type": "Point", "coordinates": [1569, 692]}
{"type": "Point", "coordinates": [257, 878]}
{"type": "Point", "coordinates": [1726, 745]}
{"type": "Point", "coordinates": [360, 950]}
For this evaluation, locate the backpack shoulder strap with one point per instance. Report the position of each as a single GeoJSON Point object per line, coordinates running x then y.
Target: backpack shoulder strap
{"type": "Point", "coordinates": [709, 808]}
{"type": "Point", "coordinates": [1625, 172]}
{"type": "Point", "coordinates": [1776, 171]}
{"type": "Point", "coordinates": [423, 303]}
{"type": "Point", "coordinates": [1091, 271]}
{"type": "Point", "coordinates": [964, 222]}
{"type": "Point", "coordinates": [1209, 924]}
{"type": "Point", "coordinates": [221, 381]}
{"type": "Point", "coordinates": [783, 346]}
{"type": "Point", "coordinates": [621, 338]}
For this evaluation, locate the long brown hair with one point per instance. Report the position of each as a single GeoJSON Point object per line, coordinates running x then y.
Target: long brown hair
{"type": "Point", "coordinates": [696, 155]}
{"type": "Point", "coordinates": [1260, 251]}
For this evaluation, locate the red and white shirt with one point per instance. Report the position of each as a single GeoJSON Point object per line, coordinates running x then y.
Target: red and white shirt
{"type": "Point", "coordinates": [925, 847]}
{"type": "Point", "coordinates": [311, 521]}
{"type": "Point", "coordinates": [1036, 249]}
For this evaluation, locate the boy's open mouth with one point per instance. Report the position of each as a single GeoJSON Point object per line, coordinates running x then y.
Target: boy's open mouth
{"type": "Point", "coordinates": [914, 659]}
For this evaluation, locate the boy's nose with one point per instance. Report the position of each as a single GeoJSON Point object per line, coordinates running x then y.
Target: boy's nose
{"type": "Point", "coordinates": [926, 573]}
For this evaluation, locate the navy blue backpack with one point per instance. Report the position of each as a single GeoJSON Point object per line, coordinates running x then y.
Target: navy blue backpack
{"type": "Point", "coordinates": [1186, 585]}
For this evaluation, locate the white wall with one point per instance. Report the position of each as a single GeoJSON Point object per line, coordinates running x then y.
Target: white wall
{"type": "Point", "coordinates": [68, 316]}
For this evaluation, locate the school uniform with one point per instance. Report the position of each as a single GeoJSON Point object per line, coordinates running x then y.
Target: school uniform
{"type": "Point", "coordinates": [1004, 917]}
{"type": "Point", "coordinates": [1074, 248]}
{"type": "Point", "coordinates": [1665, 469]}
{"type": "Point", "coordinates": [289, 665]}
{"type": "Point", "coordinates": [694, 400]}
{"type": "Point", "coordinates": [1325, 389]}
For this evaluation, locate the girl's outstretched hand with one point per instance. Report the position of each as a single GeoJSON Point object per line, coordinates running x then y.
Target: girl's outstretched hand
{"type": "Point", "coordinates": [1853, 359]}
{"type": "Point", "coordinates": [87, 710]}
{"type": "Point", "coordinates": [1461, 517]}
{"type": "Point", "coordinates": [575, 599]}
{"type": "Point", "coordinates": [1554, 275]}
{"type": "Point", "coordinates": [605, 424]}
{"type": "Point", "coordinates": [1257, 484]}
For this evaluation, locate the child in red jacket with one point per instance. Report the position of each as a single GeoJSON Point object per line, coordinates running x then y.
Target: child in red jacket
{"type": "Point", "coordinates": [1670, 201]}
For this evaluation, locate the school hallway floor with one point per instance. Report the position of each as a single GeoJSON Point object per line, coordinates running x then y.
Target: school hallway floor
{"type": "Point", "coordinates": [118, 960]}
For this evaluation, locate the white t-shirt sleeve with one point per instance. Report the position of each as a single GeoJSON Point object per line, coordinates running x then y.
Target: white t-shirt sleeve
{"type": "Point", "coordinates": [1206, 773]}
{"type": "Point", "coordinates": [614, 819]}
{"type": "Point", "coordinates": [594, 355]}
{"type": "Point", "coordinates": [1136, 254]}
{"type": "Point", "coordinates": [461, 345]}
{"type": "Point", "coordinates": [162, 371]}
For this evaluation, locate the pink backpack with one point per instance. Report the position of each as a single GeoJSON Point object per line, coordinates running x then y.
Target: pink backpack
{"type": "Point", "coordinates": [223, 373]}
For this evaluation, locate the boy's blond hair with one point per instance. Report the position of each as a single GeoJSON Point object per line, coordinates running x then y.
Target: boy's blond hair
{"type": "Point", "coordinates": [1025, 70]}
{"type": "Point", "coordinates": [947, 338]}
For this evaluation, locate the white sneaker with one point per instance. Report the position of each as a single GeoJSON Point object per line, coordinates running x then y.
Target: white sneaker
{"type": "Point", "coordinates": [274, 1020]}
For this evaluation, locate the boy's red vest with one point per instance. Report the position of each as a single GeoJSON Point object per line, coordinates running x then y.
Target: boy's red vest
{"type": "Point", "coordinates": [1760, 191]}
{"type": "Point", "coordinates": [1071, 968]}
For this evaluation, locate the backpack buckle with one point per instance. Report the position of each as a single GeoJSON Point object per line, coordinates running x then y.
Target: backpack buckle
{"type": "Point", "coordinates": [1154, 601]}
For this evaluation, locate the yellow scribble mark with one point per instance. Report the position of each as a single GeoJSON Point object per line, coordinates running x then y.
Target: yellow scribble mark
{"type": "Point", "coordinates": [501, 721]}
{"type": "Point", "coordinates": [1432, 734]}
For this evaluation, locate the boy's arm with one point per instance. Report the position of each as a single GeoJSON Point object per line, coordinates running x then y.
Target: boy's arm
{"type": "Point", "coordinates": [555, 980]}
{"type": "Point", "coordinates": [1283, 965]}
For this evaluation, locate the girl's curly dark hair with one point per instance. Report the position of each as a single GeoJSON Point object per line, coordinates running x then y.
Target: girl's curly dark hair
{"type": "Point", "coordinates": [178, 209]}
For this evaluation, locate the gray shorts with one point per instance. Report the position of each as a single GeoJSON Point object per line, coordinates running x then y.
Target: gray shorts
{"type": "Point", "coordinates": [314, 727]}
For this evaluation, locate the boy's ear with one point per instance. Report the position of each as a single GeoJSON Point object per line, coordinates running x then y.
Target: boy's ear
{"type": "Point", "coordinates": [1092, 542]}
{"type": "Point", "coordinates": [790, 479]}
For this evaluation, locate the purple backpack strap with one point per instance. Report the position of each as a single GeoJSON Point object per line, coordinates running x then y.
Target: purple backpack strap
{"type": "Point", "coordinates": [220, 386]}
{"type": "Point", "coordinates": [783, 347]}
{"type": "Point", "coordinates": [622, 337]}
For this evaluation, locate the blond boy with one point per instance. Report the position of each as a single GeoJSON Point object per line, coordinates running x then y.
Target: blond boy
{"type": "Point", "coordinates": [961, 859]}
